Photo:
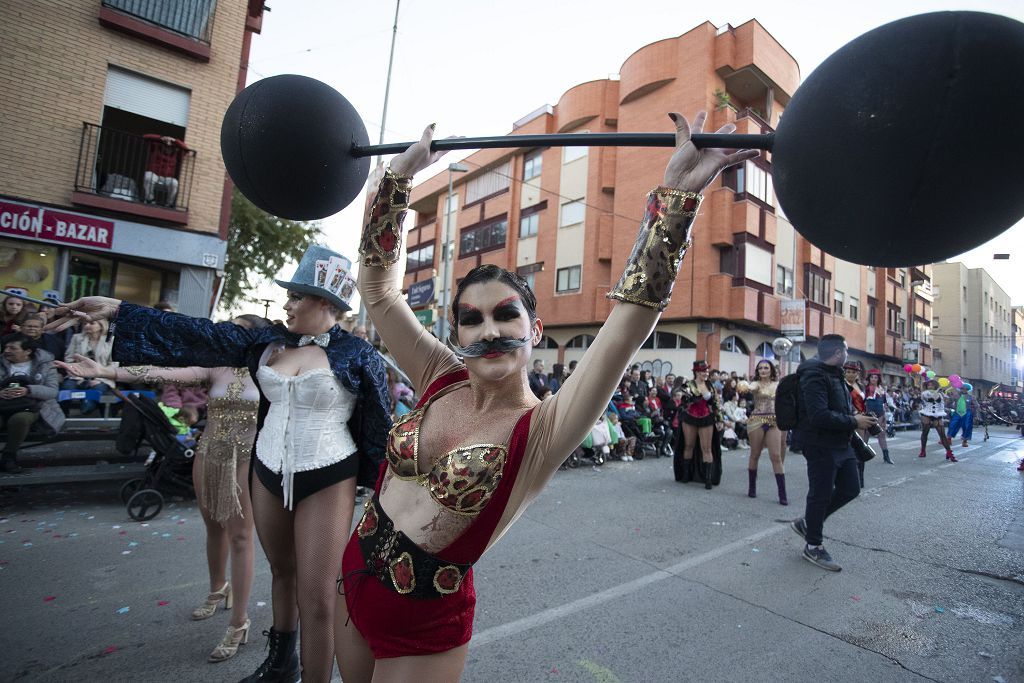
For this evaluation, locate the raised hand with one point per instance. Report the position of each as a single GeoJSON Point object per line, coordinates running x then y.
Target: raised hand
{"type": "Point", "coordinates": [418, 157]}
{"type": "Point", "coordinates": [691, 169]}
{"type": "Point", "coordinates": [85, 309]}
{"type": "Point", "coordinates": [83, 367]}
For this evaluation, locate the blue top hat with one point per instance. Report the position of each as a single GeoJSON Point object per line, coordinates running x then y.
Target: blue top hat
{"type": "Point", "coordinates": [323, 273]}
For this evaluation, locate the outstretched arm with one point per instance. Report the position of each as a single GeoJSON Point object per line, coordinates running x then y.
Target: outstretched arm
{"type": "Point", "coordinates": [642, 292]}
{"type": "Point", "coordinates": [152, 337]}
{"type": "Point", "coordinates": [135, 374]}
{"type": "Point", "coordinates": [417, 351]}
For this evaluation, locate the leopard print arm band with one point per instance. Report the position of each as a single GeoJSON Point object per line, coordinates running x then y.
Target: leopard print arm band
{"type": "Point", "coordinates": [382, 235]}
{"type": "Point", "coordinates": [663, 240]}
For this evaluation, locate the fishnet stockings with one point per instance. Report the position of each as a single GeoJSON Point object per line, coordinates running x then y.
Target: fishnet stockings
{"type": "Point", "coordinates": [304, 548]}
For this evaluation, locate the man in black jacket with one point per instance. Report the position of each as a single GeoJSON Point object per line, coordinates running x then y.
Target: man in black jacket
{"type": "Point", "coordinates": [825, 425]}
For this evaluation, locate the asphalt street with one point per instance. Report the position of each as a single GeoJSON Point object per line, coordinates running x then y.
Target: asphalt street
{"type": "Point", "coordinates": [614, 574]}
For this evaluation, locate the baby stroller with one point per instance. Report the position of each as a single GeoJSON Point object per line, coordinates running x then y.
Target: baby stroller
{"type": "Point", "coordinates": [169, 466]}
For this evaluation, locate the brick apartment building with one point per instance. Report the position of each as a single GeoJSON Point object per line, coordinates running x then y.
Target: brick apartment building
{"type": "Point", "coordinates": [566, 219]}
{"type": "Point", "coordinates": [92, 199]}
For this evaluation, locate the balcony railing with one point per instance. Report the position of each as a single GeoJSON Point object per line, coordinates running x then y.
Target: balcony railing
{"type": "Point", "coordinates": [129, 168]}
{"type": "Point", "coordinates": [189, 18]}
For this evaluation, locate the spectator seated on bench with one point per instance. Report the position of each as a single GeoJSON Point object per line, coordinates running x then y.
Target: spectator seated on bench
{"type": "Point", "coordinates": [28, 393]}
{"type": "Point", "coordinates": [92, 343]}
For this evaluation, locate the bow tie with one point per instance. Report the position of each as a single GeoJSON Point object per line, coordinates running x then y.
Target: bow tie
{"type": "Point", "coordinates": [321, 340]}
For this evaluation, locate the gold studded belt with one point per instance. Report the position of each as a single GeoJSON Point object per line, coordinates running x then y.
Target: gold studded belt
{"type": "Point", "coordinates": [400, 564]}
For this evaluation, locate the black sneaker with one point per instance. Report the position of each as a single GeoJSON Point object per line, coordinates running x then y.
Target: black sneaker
{"type": "Point", "coordinates": [820, 557]}
{"type": "Point", "coordinates": [799, 526]}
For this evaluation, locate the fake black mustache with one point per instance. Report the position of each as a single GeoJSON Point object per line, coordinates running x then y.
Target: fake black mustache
{"type": "Point", "coordinates": [482, 348]}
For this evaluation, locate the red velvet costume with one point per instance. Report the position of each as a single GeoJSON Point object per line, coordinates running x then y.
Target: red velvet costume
{"type": "Point", "coordinates": [396, 625]}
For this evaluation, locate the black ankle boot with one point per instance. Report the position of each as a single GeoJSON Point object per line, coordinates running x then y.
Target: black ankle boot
{"type": "Point", "coordinates": [705, 473]}
{"type": "Point", "coordinates": [687, 470]}
{"type": "Point", "coordinates": [885, 457]}
{"type": "Point", "coordinates": [9, 463]}
{"type": "Point", "coordinates": [282, 664]}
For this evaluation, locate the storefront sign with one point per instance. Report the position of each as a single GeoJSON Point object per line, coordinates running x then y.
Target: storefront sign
{"type": "Point", "coordinates": [794, 312]}
{"type": "Point", "coordinates": [50, 225]}
{"type": "Point", "coordinates": [911, 352]}
{"type": "Point", "coordinates": [426, 317]}
{"type": "Point", "coordinates": [421, 293]}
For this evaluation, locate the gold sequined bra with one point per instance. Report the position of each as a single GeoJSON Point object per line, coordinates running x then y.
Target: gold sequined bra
{"type": "Point", "coordinates": [462, 480]}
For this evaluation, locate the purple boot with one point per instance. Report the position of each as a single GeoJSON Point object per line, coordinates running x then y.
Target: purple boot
{"type": "Point", "coordinates": [752, 483]}
{"type": "Point", "coordinates": [780, 479]}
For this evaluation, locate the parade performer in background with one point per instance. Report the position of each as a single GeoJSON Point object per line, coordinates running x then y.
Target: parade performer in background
{"type": "Point", "coordinates": [963, 417]}
{"type": "Point", "coordinates": [220, 473]}
{"type": "Point", "coordinates": [851, 373]}
{"type": "Point", "coordinates": [480, 446]}
{"type": "Point", "coordinates": [876, 399]}
{"type": "Point", "coordinates": [933, 414]}
{"type": "Point", "coordinates": [324, 416]}
{"type": "Point", "coordinates": [762, 431]}
{"type": "Point", "coordinates": [701, 418]}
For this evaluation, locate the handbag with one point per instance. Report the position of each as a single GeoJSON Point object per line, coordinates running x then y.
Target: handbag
{"type": "Point", "coordinates": [863, 451]}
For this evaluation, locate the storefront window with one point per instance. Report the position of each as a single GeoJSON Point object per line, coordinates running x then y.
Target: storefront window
{"type": "Point", "coordinates": [88, 275]}
{"type": "Point", "coordinates": [28, 266]}
{"type": "Point", "coordinates": [138, 284]}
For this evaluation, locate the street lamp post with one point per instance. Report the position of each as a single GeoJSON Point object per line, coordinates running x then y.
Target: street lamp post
{"type": "Point", "coordinates": [442, 321]}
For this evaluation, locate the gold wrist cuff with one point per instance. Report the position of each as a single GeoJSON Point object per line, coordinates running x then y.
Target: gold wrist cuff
{"type": "Point", "coordinates": [663, 240]}
{"type": "Point", "coordinates": [381, 242]}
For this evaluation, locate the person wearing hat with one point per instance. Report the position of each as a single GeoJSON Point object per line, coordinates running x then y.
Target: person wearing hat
{"type": "Point", "coordinates": [851, 373]}
{"type": "Point", "coordinates": [702, 419]}
{"type": "Point", "coordinates": [933, 415]}
{"type": "Point", "coordinates": [323, 420]}
{"type": "Point", "coordinates": [963, 416]}
{"type": "Point", "coordinates": [875, 400]}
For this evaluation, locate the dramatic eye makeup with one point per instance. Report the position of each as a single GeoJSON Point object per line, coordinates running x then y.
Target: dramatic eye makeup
{"type": "Point", "coordinates": [469, 315]}
{"type": "Point", "coordinates": [507, 309]}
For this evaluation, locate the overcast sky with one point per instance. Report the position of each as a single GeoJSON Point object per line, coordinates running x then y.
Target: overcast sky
{"type": "Point", "coordinates": [476, 67]}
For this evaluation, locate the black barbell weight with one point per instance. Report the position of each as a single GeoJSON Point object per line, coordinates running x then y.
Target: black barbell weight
{"type": "Point", "coordinates": [902, 148]}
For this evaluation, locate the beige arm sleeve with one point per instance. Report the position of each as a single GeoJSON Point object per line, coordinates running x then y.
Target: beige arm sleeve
{"type": "Point", "coordinates": [151, 374]}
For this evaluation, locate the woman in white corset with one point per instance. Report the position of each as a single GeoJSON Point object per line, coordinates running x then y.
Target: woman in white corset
{"type": "Point", "coordinates": [220, 472]}
{"type": "Point", "coordinates": [323, 420]}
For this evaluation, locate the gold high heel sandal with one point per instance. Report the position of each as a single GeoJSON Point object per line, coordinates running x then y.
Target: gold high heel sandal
{"type": "Point", "coordinates": [229, 645]}
{"type": "Point", "coordinates": [209, 608]}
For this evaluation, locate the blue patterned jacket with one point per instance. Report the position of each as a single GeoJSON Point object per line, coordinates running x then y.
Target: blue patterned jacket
{"type": "Point", "coordinates": [147, 336]}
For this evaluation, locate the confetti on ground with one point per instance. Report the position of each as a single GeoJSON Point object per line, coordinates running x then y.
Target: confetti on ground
{"type": "Point", "coordinates": [175, 516]}
{"type": "Point", "coordinates": [181, 538]}
{"type": "Point", "coordinates": [26, 544]}
{"type": "Point", "coordinates": [940, 610]}
{"type": "Point", "coordinates": [110, 649]}
{"type": "Point", "coordinates": [258, 604]}
{"type": "Point", "coordinates": [72, 534]}
{"type": "Point", "coordinates": [162, 603]}
{"type": "Point", "coordinates": [123, 610]}
{"type": "Point", "coordinates": [126, 552]}
{"type": "Point", "coordinates": [855, 598]}
{"type": "Point", "coordinates": [132, 544]}
{"type": "Point", "coordinates": [986, 655]}
{"type": "Point", "coordinates": [122, 533]}
{"type": "Point", "coordinates": [181, 521]}
{"type": "Point", "coordinates": [49, 598]}
{"type": "Point", "coordinates": [165, 535]}
{"type": "Point", "coordinates": [755, 550]}
{"type": "Point", "coordinates": [116, 526]}
{"type": "Point", "coordinates": [91, 517]}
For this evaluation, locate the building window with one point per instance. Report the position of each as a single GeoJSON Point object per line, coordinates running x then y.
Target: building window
{"type": "Point", "coordinates": [580, 341]}
{"type": "Point", "coordinates": [487, 184]}
{"type": "Point", "coordinates": [817, 287]}
{"type": "Point", "coordinates": [935, 322]}
{"type": "Point", "coordinates": [667, 340]}
{"type": "Point", "coordinates": [573, 153]}
{"type": "Point", "coordinates": [727, 260]}
{"type": "Point", "coordinates": [757, 264]}
{"type": "Point", "coordinates": [568, 279]}
{"type": "Point", "coordinates": [854, 308]}
{"type": "Point", "coordinates": [193, 19]}
{"type": "Point", "coordinates": [528, 225]}
{"type": "Point", "coordinates": [784, 280]}
{"type": "Point", "coordinates": [531, 166]}
{"type": "Point", "coordinates": [483, 238]}
{"type": "Point", "coordinates": [965, 325]}
{"type": "Point", "coordinates": [839, 299]}
{"type": "Point", "coordinates": [423, 257]}
{"type": "Point", "coordinates": [531, 281]}
{"type": "Point", "coordinates": [572, 212]}
{"type": "Point", "coordinates": [756, 182]}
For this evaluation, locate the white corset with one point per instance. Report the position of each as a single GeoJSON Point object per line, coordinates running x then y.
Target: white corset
{"type": "Point", "coordinates": [306, 427]}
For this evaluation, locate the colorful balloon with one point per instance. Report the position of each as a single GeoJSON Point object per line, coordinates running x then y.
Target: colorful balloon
{"type": "Point", "coordinates": [908, 368]}
{"type": "Point", "coordinates": [915, 367]}
{"type": "Point", "coordinates": [953, 379]}
{"type": "Point", "coordinates": [943, 382]}
{"type": "Point", "coordinates": [968, 386]}
{"type": "Point", "coordinates": [930, 374]}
